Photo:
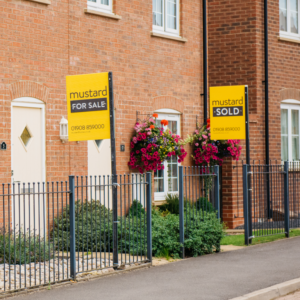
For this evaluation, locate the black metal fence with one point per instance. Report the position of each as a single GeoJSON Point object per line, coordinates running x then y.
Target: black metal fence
{"type": "Point", "coordinates": [199, 195]}
{"type": "Point", "coordinates": [294, 194]}
{"type": "Point", "coordinates": [266, 200]}
{"type": "Point", "coordinates": [53, 231]}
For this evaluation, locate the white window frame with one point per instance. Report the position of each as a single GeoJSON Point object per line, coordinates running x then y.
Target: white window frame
{"type": "Point", "coordinates": [100, 7]}
{"type": "Point", "coordinates": [288, 33]}
{"type": "Point", "coordinates": [289, 108]}
{"type": "Point", "coordinates": [170, 115]}
{"type": "Point", "coordinates": [164, 29]}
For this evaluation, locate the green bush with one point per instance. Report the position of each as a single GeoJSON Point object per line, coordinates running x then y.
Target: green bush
{"type": "Point", "coordinates": [203, 204]}
{"type": "Point", "coordinates": [23, 248]}
{"type": "Point", "coordinates": [93, 228]}
{"type": "Point", "coordinates": [171, 205]}
{"type": "Point", "coordinates": [203, 231]}
{"type": "Point", "coordinates": [136, 209]}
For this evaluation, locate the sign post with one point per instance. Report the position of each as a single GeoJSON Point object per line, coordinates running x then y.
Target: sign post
{"type": "Point", "coordinates": [90, 101]}
{"type": "Point", "coordinates": [229, 119]}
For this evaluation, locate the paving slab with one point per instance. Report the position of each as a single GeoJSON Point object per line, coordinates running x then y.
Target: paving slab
{"type": "Point", "coordinates": [221, 276]}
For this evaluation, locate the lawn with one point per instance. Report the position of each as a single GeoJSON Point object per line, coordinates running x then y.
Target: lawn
{"type": "Point", "coordinates": [239, 240]}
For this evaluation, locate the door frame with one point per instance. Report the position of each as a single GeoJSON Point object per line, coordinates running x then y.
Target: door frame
{"type": "Point", "coordinates": [30, 102]}
{"type": "Point", "coordinates": [160, 196]}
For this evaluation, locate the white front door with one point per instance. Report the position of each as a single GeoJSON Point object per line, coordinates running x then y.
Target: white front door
{"type": "Point", "coordinates": [99, 166]}
{"type": "Point", "coordinates": [28, 165]}
{"type": "Point", "coordinates": [166, 181]}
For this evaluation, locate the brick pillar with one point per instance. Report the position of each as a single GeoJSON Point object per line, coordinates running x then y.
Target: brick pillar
{"type": "Point", "coordinates": [232, 193]}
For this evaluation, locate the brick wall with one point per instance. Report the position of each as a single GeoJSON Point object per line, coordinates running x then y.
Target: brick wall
{"type": "Point", "coordinates": [41, 44]}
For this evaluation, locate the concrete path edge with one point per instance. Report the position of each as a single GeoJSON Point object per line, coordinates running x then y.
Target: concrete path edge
{"type": "Point", "coordinates": [273, 292]}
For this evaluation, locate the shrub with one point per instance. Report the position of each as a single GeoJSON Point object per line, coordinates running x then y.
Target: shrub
{"type": "Point", "coordinates": [172, 204]}
{"type": "Point", "coordinates": [203, 204]}
{"type": "Point", "coordinates": [23, 248]}
{"type": "Point", "coordinates": [203, 233]}
{"type": "Point", "coordinates": [136, 209]}
{"type": "Point", "coordinates": [93, 227]}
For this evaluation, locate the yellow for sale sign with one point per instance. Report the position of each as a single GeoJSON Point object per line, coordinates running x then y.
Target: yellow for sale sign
{"type": "Point", "coordinates": [88, 107]}
{"type": "Point", "coordinates": [227, 113]}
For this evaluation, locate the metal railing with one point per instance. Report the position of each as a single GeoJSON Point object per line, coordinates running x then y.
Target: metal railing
{"type": "Point", "coordinates": [29, 255]}
{"type": "Point", "coordinates": [266, 200]}
{"type": "Point", "coordinates": [53, 231]}
{"type": "Point", "coordinates": [199, 195]}
{"type": "Point", "coordinates": [294, 194]}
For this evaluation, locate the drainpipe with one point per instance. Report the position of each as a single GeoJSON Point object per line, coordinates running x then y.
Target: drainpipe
{"type": "Point", "coordinates": [266, 84]}
{"type": "Point", "coordinates": [269, 208]}
{"type": "Point", "coordinates": [204, 62]}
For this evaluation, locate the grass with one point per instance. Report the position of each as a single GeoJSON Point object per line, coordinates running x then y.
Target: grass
{"type": "Point", "coordinates": [239, 240]}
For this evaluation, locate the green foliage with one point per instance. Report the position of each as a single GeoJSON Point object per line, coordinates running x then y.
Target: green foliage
{"type": "Point", "coordinates": [23, 248]}
{"type": "Point", "coordinates": [172, 204]}
{"type": "Point", "coordinates": [203, 204]}
{"type": "Point", "coordinates": [136, 209]}
{"type": "Point", "coordinates": [203, 233]}
{"type": "Point", "coordinates": [93, 227]}
{"type": "Point", "coordinates": [203, 230]}
{"type": "Point", "coordinates": [132, 235]}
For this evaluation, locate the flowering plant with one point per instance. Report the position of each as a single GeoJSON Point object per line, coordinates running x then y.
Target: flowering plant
{"type": "Point", "coordinates": [151, 145]}
{"type": "Point", "coordinates": [211, 152]}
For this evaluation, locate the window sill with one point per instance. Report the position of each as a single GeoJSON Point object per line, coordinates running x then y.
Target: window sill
{"type": "Point", "coordinates": [170, 37]}
{"type": "Point", "coordinates": [292, 40]}
{"type": "Point", "coordinates": [102, 14]}
{"type": "Point", "coordinates": [47, 2]}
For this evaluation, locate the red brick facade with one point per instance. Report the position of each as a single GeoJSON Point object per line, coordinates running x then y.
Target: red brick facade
{"type": "Point", "coordinates": [41, 44]}
{"type": "Point", "coordinates": [236, 57]}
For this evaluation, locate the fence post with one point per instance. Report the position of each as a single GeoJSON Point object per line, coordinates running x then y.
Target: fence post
{"type": "Point", "coordinates": [72, 226]}
{"type": "Point", "coordinates": [149, 216]}
{"type": "Point", "coordinates": [181, 212]}
{"type": "Point", "coordinates": [115, 221]}
{"type": "Point", "coordinates": [217, 196]}
{"type": "Point", "coordinates": [286, 200]}
{"type": "Point", "coordinates": [245, 196]}
{"type": "Point", "coordinates": [217, 190]}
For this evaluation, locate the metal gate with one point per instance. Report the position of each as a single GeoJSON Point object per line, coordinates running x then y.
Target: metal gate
{"type": "Point", "coordinates": [266, 200]}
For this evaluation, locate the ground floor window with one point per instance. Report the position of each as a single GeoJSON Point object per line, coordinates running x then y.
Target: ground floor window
{"type": "Point", "coordinates": [290, 132]}
{"type": "Point", "coordinates": [166, 181]}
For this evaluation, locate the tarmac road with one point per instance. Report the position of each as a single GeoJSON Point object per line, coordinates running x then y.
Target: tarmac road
{"type": "Point", "coordinates": [213, 277]}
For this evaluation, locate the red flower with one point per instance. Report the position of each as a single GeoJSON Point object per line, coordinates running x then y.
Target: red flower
{"type": "Point", "coordinates": [152, 126]}
{"type": "Point", "coordinates": [164, 122]}
{"type": "Point", "coordinates": [155, 115]}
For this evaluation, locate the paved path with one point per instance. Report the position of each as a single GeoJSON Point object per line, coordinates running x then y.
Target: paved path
{"type": "Point", "coordinates": [294, 296]}
{"type": "Point", "coordinates": [213, 277]}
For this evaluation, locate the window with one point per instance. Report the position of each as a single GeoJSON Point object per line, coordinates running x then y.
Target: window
{"type": "Point", "coordinates": [290, 132]}
{"type": "Point", "coordinates": [166, 181]}
{"type": "Point", "coordinates": [289, 18]}
{"type": "Point", "coordinates": [100, 5]}
{"type": "Point", "coordinates": [166, 16]}
{"type": "Point", "coordinates": [98, 143]}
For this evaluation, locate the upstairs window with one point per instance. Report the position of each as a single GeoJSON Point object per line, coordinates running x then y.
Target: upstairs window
{"type": "Point", "coordinates": [166, 16]}
{"type": "Point", "coordinates": [289, 18]}
{"type": "Point", "coordinates": [100, 5]}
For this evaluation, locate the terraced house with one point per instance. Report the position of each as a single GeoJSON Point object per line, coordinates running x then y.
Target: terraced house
{"type": "Point", "coordinates": [155, 51]}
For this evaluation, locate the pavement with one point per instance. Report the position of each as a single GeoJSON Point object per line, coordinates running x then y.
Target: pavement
{"type": "Point", "coordinates": [293, 296]}
{"type": "Point", "coordinates": [221, 276]}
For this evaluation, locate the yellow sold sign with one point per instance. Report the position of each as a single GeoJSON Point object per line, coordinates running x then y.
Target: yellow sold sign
{"type": "Point", "coordinates": [228, 113]}
{"type": "Point", "coordinates": [88, 103]}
